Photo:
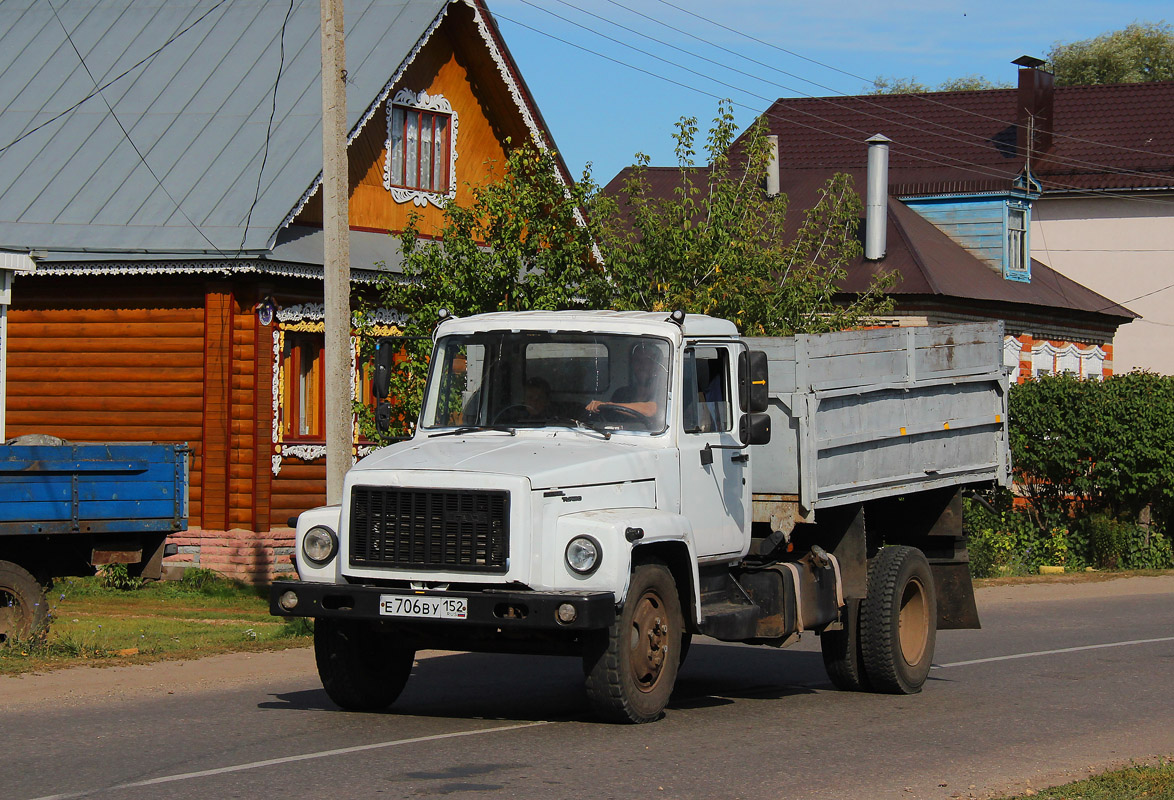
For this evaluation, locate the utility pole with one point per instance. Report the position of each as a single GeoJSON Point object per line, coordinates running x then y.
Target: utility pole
{"type": "Point", "coordinates": [337, 264]}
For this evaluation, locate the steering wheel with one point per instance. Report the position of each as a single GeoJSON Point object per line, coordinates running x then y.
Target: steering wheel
{"type": "Point", "coordinates": [512, 409]}
{"type": "Point", "coordinates": [621, 414]}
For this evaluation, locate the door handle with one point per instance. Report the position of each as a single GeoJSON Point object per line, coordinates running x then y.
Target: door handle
{"type": "Point", "coordinates": [741, 458]}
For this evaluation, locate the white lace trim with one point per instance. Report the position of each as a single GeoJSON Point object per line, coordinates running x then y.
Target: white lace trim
{"type": "Point", "coordinates": [428, 102]}
{"type": "Point", "coordinates": [371, 109]}
{"type": "Point", "coordinates": [282, 268]}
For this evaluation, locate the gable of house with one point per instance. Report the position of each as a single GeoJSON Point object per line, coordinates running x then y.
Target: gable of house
{"type": "Point", "coordinates": [1083, 183]}
{"type": "Point", "coordinates": [202, 323]}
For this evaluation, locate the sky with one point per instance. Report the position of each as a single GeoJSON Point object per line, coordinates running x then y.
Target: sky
{"type": "Point", "coordinates": [612, 77]}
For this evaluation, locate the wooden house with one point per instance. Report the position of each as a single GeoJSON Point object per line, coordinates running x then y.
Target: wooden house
{"type": "Point", "coordinates": [959, 186]}
{"type": "Point", "coordinates": [1063, 193]}
{"type": "Point", "coordinates": [170, 207]}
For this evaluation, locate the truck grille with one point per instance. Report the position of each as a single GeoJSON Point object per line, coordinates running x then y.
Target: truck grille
{"type": "Point", "coordinates": [449, 529]}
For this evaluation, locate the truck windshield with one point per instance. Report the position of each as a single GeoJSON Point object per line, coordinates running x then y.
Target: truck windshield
{"type": "Point", "coordinates": [535, 379]}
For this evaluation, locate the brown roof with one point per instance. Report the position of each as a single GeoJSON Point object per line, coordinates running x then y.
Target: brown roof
{"type": "Point", "coordinates": [1115, 136]}
{"type": "Point", "coordinates": [931, 264]}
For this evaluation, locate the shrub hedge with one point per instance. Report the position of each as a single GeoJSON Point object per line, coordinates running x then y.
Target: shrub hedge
{"type": "Point", "coordinates": [1094, 468]}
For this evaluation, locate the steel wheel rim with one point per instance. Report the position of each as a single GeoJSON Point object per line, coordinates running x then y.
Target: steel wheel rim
{"type": "Point", "coordinates": [12, 615]}
{"type": "Point", "coordinates": [913, 622]}
{"type": "Point", "coordinates": [648, 641]}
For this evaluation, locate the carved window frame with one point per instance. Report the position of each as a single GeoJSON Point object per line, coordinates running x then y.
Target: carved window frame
{"type": "Point", "coordinates": [422, 101]}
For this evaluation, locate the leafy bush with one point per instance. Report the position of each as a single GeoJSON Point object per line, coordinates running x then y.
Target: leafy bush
{"type": "Point", "coordinates": [116, 576]}
{"type": "Point", "coordinates": [1007, 542]}
{"type": "Point", "coordinates": [1081, 447]}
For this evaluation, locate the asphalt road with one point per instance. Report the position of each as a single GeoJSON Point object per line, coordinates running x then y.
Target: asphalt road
{"type": "Point", "coordinates": [1061, 680]}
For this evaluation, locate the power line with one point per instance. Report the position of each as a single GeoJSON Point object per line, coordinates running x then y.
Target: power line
{"type": "Point", "coordinates": [127, 135]}
{"type": "Point", "coordinates": [932, 157]}
{"type": "Point", "coordinates": [269, 127]}
{"type": "Point", "coordinates": [98, 89]}
{"type": "Point", "coordinates": [888, 110]}
{"type": "Point", "coordinates": [922, 97]}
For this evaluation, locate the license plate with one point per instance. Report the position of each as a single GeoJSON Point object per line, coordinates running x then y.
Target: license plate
{"type": "Point", "coordinates": [398, 605]}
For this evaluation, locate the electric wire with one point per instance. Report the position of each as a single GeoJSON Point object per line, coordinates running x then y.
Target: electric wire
{"type": "Point", "coordinates": [932, 157]}
{"type": "Point", "coordinates": [269, 127]}
{"type": "Point", "coordinates": [870, 81]}
{"type": "Point", "coordinates": [98, 89]}
{"type": "Point", "coordinates": [970, 166]}
{"type": "Point", "coordinates": [959, 163]}
{"type": "Point", "coordinates": [126, 134]}
{"type": "Point", "coordinates": [887, 110]}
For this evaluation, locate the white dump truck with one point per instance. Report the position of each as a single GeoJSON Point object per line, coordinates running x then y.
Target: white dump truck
{"type": "Point", "coordinates": [609, 484]}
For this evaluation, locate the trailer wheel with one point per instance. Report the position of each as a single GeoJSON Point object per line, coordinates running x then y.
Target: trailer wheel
{"type": "Point", "coordinates": [898, 621]}
{"type": "Point", "coordinates": [362, 669]}
{"type": "Point", "coordinates": [841, 652]}
{"type": "Point", "coordinates": [24, 609]}
{"type": "Point", "coordinates": [632, 666]}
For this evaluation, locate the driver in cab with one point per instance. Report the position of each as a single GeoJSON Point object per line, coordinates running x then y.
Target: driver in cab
{"type": "Point", "coordinates": [643, 394]}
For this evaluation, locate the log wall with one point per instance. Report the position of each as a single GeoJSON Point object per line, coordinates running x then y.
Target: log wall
{"type": "Point", "coordinates": [91, 362]}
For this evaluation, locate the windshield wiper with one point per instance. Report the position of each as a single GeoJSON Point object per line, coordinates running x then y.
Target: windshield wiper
{"type": "Point", "coordinates": [474, 429]}
{"type": "Point", "coordinates": [578, 425]}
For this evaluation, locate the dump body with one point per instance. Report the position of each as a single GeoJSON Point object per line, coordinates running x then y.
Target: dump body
{"type": "Point", "coordinates": [93, 488]}
{"type": "Point", "coordinates": [861, 415]}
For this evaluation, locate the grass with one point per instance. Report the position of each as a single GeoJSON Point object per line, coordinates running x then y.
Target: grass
{"type": "Point", "coordinates": [1151, 782]}
{"type": "Point", "coordinates": [202, 615]}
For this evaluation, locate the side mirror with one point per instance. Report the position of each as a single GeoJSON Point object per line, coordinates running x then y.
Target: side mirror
{"type": "Point", "coordinates": [754, 428]}
{"type": "Point", "coordinates": [383, 416]}
{"type": "Point", "coordinates": [753, 390]}
{"type": "Point", "coordinates": [384, 360]}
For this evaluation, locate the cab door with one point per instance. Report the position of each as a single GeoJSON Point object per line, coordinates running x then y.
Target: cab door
{"type": "Point", "coordinates": [715, 495]}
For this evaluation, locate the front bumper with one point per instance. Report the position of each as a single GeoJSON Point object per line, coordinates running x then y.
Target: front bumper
{"type": "Point", "coordinates": [503, 610]}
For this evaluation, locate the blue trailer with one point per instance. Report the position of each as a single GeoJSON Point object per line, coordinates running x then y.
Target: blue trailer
{"type": "Point", "coordinates": [66, 509]}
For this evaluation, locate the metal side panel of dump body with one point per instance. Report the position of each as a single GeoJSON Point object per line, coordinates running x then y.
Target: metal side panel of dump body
{"type": "Point", "coordinates": [93, 488]}
{"type": "Point", "coordinates": [860, 415]}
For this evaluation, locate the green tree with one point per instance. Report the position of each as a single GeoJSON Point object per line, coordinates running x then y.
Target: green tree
{"type": "Point", "coordinates": [522, 243]}
{"type": "Point", "coordinates": [719, 244]}
{"type": "Point", "coordinates": [1139, 53]}
{"type": "Point", "coordinates": [966, 83]}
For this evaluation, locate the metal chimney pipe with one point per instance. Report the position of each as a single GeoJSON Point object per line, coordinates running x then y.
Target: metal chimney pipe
{"type": "Point", "coordinates": [772, 167]}
{"type": "Point", "coordinates": [876, 203]}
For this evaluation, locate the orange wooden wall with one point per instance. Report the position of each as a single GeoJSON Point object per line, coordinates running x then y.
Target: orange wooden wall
{"type": "Point", "coordinates": [469, 80]}
{"type": "Point", "coordinates": [108, 359]}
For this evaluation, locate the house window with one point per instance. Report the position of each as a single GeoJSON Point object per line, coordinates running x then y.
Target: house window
{"type": "Point", "coordinates": [1092, 363]}
{"type": "Point", "coordinates": [1068, 360]}
{"type": "Point", "coordinates": [1017, 254]}
{"type": "Point", "coordinates": [304, 395]}
{"type": "Point", "coordinates": [419, 149]}
{"type": "Point", "coordinates": [1043, 360]}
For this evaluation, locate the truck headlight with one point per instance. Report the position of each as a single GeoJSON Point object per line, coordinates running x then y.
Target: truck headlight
{"type": "Point", "coordinates": [319, 545]}
{"type": "Point", "coordinates": [583, 554]}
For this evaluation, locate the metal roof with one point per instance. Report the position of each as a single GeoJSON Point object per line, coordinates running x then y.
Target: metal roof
{"type": "Point", "coordinates": [1109, 137]}
{"type": "Point", "coordinates": [160, 150]}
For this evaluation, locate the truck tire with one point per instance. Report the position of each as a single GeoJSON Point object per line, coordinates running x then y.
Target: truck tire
{"type": "Point", "coordinates": [898, 621]}
{"type": "Point", "coordinates": [632, 666]}
{"type": "Point", "coordinates": [24, 609]}
{"type": "Point", "coordinates": [362, 669]}
{"type": "Point", "coordinates": [842, 656]}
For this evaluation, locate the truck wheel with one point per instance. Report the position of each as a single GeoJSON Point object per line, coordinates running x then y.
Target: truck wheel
{"type": "Point", "coordinates": [898, 621]}
{"type": "Point", "coordinates": [632, 666]}
{"type": "Point", "coordinates": [841, 652]}
{"type": "Point", "coordinates": [24, 609]}
{"type": "Point", "coordinates": [362, 669]}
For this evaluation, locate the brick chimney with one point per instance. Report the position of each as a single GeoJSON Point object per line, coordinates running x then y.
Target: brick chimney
{"type": "Point", "coordinates": [1036, 110]}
